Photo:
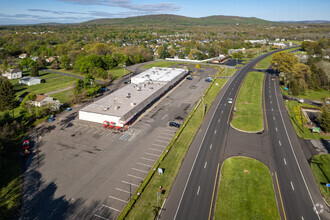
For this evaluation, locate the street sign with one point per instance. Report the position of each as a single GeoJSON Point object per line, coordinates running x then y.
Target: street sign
{"type": "Point", "coordinates": [328, 184]}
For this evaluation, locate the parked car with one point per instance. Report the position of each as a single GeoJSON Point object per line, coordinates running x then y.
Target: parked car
{"type": "Point", "coordinates": [208, 79]}
{"type": "Point", "coordinates": [128, 81]}
{"type": "Point", "coordinates": [174, 124]}
{"type": "Point", "coordinates": [189, 78]}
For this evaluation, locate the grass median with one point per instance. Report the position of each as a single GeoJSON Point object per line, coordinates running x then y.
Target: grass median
{"type": "Point", "coordinates": [147, 207]}
{"type": "Point", "coordinates": [248, 116]}
{"type": "Point", "coordinates": [246, 191]}
{"type": "Point", "coordinates": [320, 165]}
{"type": "Point", "coordinates": [263, 64]}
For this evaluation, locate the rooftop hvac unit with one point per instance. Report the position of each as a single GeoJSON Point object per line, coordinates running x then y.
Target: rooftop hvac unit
{"type": "Point", "coordinates": [128, 95]}
{"type": "Point", "coordinates": [133, 104]}
{"type": "Point", "coordinates": [106, 108]}
{"type": "Point", "coordinates": [117, 107]}
{"type": "Point", "coordinates": [138, 88]}
{"type": "Point", "coordinates": [151, 88]}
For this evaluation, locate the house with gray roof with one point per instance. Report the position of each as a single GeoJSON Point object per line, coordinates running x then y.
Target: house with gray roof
{"type": "Point", "coordinates": [30, 81]}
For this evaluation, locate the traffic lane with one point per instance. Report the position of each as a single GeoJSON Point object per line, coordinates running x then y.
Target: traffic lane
{"type": "Point", "coordinates": [295, 197]}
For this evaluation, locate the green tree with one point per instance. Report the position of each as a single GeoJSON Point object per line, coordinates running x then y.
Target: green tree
{"type": "Point", "coordinates": [7, 94]}
{"type": "Point", "coordinates": [284, 62]}
{"type": "Point", "coordinates": [324, 118]}
{"type": "Point", "coordinates": [78, 87]}
{"type": "Point", "coordinates": [34, 70]}
{"type": "Point", "coordinates": [65, 62]}
{"type": "Point", "coordinates": [109, 62]}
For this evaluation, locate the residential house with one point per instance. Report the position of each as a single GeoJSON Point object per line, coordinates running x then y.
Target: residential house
{"type": "Point", "coordinates": [35, 58]}
{"type": "Point", "coordinates": [22, 56]}
{"type": "Point", "coordinates": [50, 59]}
{"type": "Point", "coordinates": [42, 100]}
{"type": "Point", "coordinates": [30, 81]}
{"type": "Point", "coordinates": [13, 74]}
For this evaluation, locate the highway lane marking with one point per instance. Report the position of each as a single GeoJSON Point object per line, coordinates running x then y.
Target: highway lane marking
{"type": "Point", "coordinates": [111, 208]}
{"type": "Point", "coordinates": [279, 142]}
{"type": "Point", "coordinates": [215, 183]}
{"type": "Point", "coordinates": [142, 171]}
{"type": "Point", "coordinates": [292, 185]}
{"type": "Point", "coordinates": [271, 102]}
{"type": "Point", "coordinates": [112, 197]}
{"type": "Point", "coordinates": [295, 157]}
{"type": "Point", "coordinates": [276, 129]}
{"type": "Point", "coordinates": [279, 192]}
{"type": "Point", "coordinates": [302, 218]}
{"type": "Point", "coordinates": [225, 104]}
{"type": "Point", "coordinates": [274, 117]}
{"type": "Point", "coordinates": [215, 131]}
{"type": "Point", "coordinates": [284, 161]}
{"type": "Point", "coordinates": [210, 146]}
{"type": "Point", "coordinates": [128, 183]}
{"type": "Point", "coordinates": [160, 211]}
{"type": "Point", "coordinates": [272, 109]}
{"type": "Point", "coordinates": [155, 149]}
{"type": "Point", "coordinates": [122, 190]}
{"type": "Point", "coordinates": [219, 120]}
{"type": "Point", "coordinates": [152, 154]}
{"type": "Point", "coordinates": [142, 164]}
{"type": "Point", "coordinates": [264, 102]}
{"type": "Point", "coordinates": [96, 215]}
{"type": "Point", "coordinates": [234, 100]}
{"type": "Point", "coordinates": [205, 164]}
{"type": "Point", "coordinates": [143, 158]}
{"type": "Point", "coordinates": [199, 187]}
{"type": "Point", "coordinates": [137, 177]}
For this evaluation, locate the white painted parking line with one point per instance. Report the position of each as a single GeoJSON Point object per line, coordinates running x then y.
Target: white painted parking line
{"type": "Point", "coordinates": [111, 208]}
{"type": "Point", "coordinates": [97, 130]}
{"type": "Point", "coordinates": [155, 149]}
{"type": "Point", "coordinates": [137, 177]}
{"type": "Point", "coordinates": [158, 145]}
{"type": "Point", "coordinates": [128, 183]}
{"type": "Point", "coordinates": [142, 164]}
{"type": "Point", "coordinates": [143, 158]}
{"type": "Point", "coordinates": [122, 190]}
{"type": "Point", "coordinates": [167, 138]}
{"type": "Point", "coordinates": [162, 141]}
{"type": "Point", "coordinates": [169, 134]}
{"type": "Point", "coordinates": [112, 197]}
{"type": "Point", "coordinates": [96, 215]}
{"type": "Point", "coordinates": [80, 127]}
{"type": "Point", "coordinates": [84, 129]}
{"type": "Point", "coordinates": [103, 132]}
{"type": "Point", "coordinates": [292, 185]}
{"type": "Point", "coordinates": [142, 171]}
{"type": "Point", "coordinates": [89, 130]}
{"type": "Point", "coordinates": [199, 187]}
{"type": "Point", "coordinates": [156, 155]}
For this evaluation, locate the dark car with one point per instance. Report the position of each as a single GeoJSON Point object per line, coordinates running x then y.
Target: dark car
{"type": "Point", "coordinates": [174, 124]}
{"type": "Point", "coordinates": [189, 78]}
{"type": "Point", "coordinates": [208, 79]}
{"type": "Point", "coordinates": [127, 81]}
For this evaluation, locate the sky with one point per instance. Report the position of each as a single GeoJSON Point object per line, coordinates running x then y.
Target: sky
{"type": "Point", "coordinates": [76, 11]}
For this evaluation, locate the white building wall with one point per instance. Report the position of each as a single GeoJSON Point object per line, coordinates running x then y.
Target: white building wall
{"type": "Point", "coordinates": [98, 118]}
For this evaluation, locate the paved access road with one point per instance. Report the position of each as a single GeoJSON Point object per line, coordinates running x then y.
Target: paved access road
{"type": "Point", "coordinates": [192, 195]}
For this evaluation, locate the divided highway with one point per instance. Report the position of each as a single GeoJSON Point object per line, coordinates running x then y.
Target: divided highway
{"type": "Point", "coordinates": [193, 193]}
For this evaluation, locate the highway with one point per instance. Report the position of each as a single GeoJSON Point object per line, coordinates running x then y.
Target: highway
{"type": "Point", "coordinates": [194, 191]}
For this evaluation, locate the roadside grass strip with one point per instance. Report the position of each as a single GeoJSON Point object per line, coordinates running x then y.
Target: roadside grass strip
{"type": "Point", "coordinates": [263, 64]}
{"type": "Point", "coordinates": [248, 116]}
{"type": "Point", "coordinates": [145, 205]}
{"type": "Point", "coordinates": [320, 165]}
{"type": "Point", "coordinates": [246, 191]}
{"type": "Point", "coordinates": [161, 64]}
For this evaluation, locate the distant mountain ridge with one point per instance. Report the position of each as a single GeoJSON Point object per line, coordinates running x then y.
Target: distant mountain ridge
{"type": "Point", "coordinates": [169, 19]}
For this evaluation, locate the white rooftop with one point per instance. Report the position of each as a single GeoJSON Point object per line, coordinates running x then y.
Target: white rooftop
{"type": "Point", "coordinates": [157, 74]}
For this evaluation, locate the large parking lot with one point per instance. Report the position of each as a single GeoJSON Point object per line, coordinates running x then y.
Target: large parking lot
{"type": "Point", "coordinates": [80, 170]}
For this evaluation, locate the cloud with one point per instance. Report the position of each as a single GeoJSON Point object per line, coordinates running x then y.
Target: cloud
{"type": "Point", "coordinates": [57, 12]}
{"type": "Point", "coordinates": [38, 18]}
{"type": "Point", "coordinates": [126, 4]}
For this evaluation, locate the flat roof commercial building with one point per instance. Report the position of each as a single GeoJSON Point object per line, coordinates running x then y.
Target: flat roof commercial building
{"type": "Point", "coordinates": [125, 104]}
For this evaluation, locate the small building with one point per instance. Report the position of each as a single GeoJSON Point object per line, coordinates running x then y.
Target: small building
{"type": "Point", "coordinates": [221, 58]}
{"type": "Point", "coordinates": [30, 81]}
{"type": "Point", "coordinates": [35, 58]}
{"type": "Point", "coordinates": [42, 100]}
{"type": "Point", "coordinates": [13, 74]}
{"type": "Point", "coordinates": [22, 56]}
{"type": "Point", "coordinates": [50, 59]}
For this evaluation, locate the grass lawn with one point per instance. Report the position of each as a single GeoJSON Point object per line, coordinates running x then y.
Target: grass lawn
{"type": "Point", "coordinates": [293, 108]}
{"type": "Point", "coordinates": [246, 191]}
{"type": "Point", "coordinates": [161, 64]}
{"type": "Point", "coordinates": [263, 64]}
{"type": "Point", "coordinates": [223, 72]}
{"type": "Point", "coordinates": [55, 82]}
{"type": "Point", "coordinates": [146, 206]}
{"type": "Point", "coordinates": [317, 95]}
{"type": "Point", "coordinates": [64, 96]}
{"type": "Point", "coordinates": [248, 115]}
{"type": "Point", "coordinates": [118, 73]}
{"type": "Point", "coordinates": [320, 165]}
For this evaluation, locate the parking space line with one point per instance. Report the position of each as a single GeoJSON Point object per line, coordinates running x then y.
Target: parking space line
{"type": "Point", "coordinates": [167, 138]}
{"type": "Point", "coordinates": [162, 141]}
{"type": "Point", "coordinates": [158, 145]}
{"type": "Point", "coordinates": [167, 134]}
{"type": "Point", "coordinates": [97, 130]}
{"type": "Point", "coordinates": [118, 199]}
{"type": "Point", "coordinates": [122, 190]}
{"type": "Point", "coordinates": [111, 208]}
{"type": "Point", "coordinates": [137, 177]}
{"type": "Point", "coordinates": [143, 158]}
{"type": "Point", "coordinates": [103, 132]}
{"type": "Point", "coordinates": [152, 154]}
{"type": "Point", "coordinates": [128, 183]}
{"type": "Point", "coordinates": [155, 149]}
{"type": "Point", "coordinates": [96, 215]}
{"type": "Point", "coordinates": [89, 130]}
{"type": "Point", "coordinates": [142, 171]}
{"type": "Point", "coordinates": [84, 128]}
{"type": "Point", "coordinates": [142, 164]}
{"type": "Point", "coordinates": [80, 127]}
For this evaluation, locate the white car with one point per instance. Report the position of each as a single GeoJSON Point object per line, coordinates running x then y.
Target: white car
{"type": "Point", "coordinates": [230, 100]}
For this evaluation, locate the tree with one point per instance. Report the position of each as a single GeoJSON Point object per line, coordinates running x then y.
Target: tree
{"type": "Point", "coordinates": [65, 62]}
{"type": "Point", "coordinates": [324, 118]}
{"type": "Point", "coordinates": [7, 94]}
{"type": "Point", "coordinates": [284, 62]}
{"type": "Point", "coordinates": [78, 87]}
{"type": "Point", "coordinates": [34, 70]}
{"type": "Point", "coordinates": [109, 62]}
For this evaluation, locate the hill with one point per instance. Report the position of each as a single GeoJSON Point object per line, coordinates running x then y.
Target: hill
{"type": "Point", "coordinates": [167, 19]}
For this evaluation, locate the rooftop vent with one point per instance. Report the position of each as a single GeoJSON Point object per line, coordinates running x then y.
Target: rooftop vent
{"type": "Point", "coordinates": [128, 95]}
{"type": "Point", "coordinates": [106, 108]}
{"type": "Point", "coordinates": [133, 104]}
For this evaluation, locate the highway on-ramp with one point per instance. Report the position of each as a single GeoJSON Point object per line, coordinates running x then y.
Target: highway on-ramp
{"type": "Point", "coordinates": [194, 191]}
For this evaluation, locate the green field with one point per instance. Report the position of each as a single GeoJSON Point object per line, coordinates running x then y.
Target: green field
{"type": "Point", "coordinates": [317, 95]}
{"type": "Point", "coordinates": [226, 73]}
{"type": "Point", "coordinates": [263, 64]}
{"type": "Point", "coordinates": [146, 206]}
{"type": "Point", "coordinates": [64, 96]}
{"type": "Point", "coordinates": [53, 82]}
{"type": "Point", "coordinates": [161, 64]}
{"type": "Point", "coordinates": [320, 165]}
{"type": "Point", "coordinates": [246, 191]}
{"type": "Point", "coordinates": [118, 73]}
{"type": "Point", "coordinates": [248, 115]}
{"type": "Point", "coordinates": [293, 108]}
